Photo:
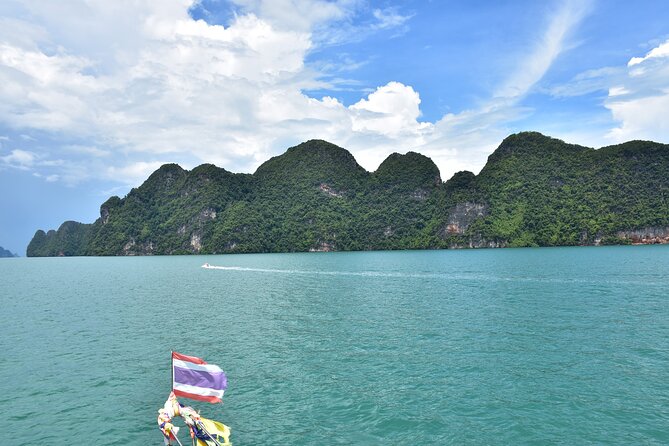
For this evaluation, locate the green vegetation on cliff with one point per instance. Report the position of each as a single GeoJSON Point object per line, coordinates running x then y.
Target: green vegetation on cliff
{"type": "Point", "coordinates": [534, 191]}
{"type": "Point", "coordinates": [543, 192]}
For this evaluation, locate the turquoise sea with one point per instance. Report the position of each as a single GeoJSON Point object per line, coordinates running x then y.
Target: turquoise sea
{"type": "Point", "coordinates": [541, 346]}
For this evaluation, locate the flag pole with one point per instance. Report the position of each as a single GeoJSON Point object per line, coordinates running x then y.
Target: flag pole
{"type": "Point", "coordinates": [201, 426]}
{"type": "Point", "coordinates": [175, 437]}
{"type": "Point", "coordinates": [172, 370]}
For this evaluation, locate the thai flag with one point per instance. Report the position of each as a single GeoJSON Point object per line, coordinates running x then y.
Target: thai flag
{"type": "Point", "coordinates": [195, 379]}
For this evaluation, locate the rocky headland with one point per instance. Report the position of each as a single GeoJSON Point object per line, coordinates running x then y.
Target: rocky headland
{"type": "Point", "coordinates": [533, 191]}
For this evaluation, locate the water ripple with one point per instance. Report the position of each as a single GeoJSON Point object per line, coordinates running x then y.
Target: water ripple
{"type": "Point", "coordinates": [564, 346]}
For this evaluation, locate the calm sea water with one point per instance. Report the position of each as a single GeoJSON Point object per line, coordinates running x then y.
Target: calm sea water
{"type": "Point", "coordinates": [515, 346]}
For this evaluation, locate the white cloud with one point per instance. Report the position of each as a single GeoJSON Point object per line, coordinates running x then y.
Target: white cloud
{"type": "Point", "coordinates": [43, 165]}
{"type": "Point", "coordinates": [134, 173]}
{"type": "Point", "coordinates": [87, 150]}
{"type": "Point", "coordinates": [392, 110]}
{"type": "Point", "coordinates": [600, 79]}
{"type": "Point", "coordinates": [328, 22]}
{"type": "Point", "coordinates": [641, 118]}
{"type": "Point", "coordinates": [463, 141]}
{"type": "Point", "coordinates": [641, 99]}
{"type": "Point", "coordinates": [657, 52]}
{"type": "Point", "coordinates": [20, 159]}
{"type": "Point", "coordinates": [552, 43]}
{"type": "Point", "coordinates": [389, 18]}
{"type": "Point", "coordinates": [48, 178]}
{"type": "Point", "coordinates": [302, 15]}
{"type": "Point", "coordinates": [182, 86]}
{"type": "Point", "coordinates": [145, 82]}
{"type": "Point", "coordinates": [636, 96]}
{"type": "Point", "coordinates": [174, 87]}
{"type": "Point", "coordinates": [617, 90]}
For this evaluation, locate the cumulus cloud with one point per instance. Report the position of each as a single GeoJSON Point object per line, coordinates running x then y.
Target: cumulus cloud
{"type": "Point", "coordinates": [642, 118]}
{"type": "Point", "coordinates": [657, 52]}
{"type": "Point", "coordinates": [391, 110]}
{"type": "Point", "coordinates": [180, 85]}
{"type": "Point", "coordinates": [635, 94]}
{"type": "Point", "coordinates": [145, 82]}
{"type": "Point", "coordinates": [639, 101]}
{"type": "Point", "coordinates": [150, 83]}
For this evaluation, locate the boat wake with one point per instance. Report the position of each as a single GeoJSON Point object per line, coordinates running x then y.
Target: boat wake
{"type": "Point", "coordinates": [323, 273]}
{"type": "Point", "coordinates": [435, 275]}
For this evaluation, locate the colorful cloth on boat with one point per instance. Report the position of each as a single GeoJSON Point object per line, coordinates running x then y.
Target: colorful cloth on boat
{"type": "Point", "coordinates": [195, 379]}
{"type": "Point", "coordinates": [206, 431]}
{"type": "Point", "coordinates": [169, 430]}
{"type": "Point", "coordinates": [171, 406]}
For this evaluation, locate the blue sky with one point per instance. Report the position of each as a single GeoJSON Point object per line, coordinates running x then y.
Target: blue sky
{"type": "Point", "coordinates": [95, 95]}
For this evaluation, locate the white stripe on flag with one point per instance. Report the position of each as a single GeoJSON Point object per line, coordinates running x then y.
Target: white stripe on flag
{"type": "Point", "coordinates": [202, 391]}
{"type": "Point", "coordinates": [193, 366]}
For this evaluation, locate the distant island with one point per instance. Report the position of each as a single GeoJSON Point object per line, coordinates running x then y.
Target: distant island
{"type": "Point", "coordinates": [533, 191]}
{"type": "Point", "coordinates": [6, 253]}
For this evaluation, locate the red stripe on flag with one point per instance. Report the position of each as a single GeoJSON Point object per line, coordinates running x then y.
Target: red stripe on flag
{"type": "Point", "coordinates": [192, 396]}
{"type": "Point", "coordinates": [192, 359]}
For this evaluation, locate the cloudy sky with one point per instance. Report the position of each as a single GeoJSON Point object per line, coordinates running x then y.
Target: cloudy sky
{"type": "Point", "coordinates": [96, 94]}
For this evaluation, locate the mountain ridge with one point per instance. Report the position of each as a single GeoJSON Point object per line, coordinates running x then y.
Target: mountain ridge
{"type": "Point", "coordinates": [533, 191]}
{"type": "Point", "coordinates": [4, 253]}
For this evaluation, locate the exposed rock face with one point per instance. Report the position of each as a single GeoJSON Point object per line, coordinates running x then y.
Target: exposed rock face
{"type": "Point", "coordinates": [323, 247]}
{"type": "Point", "coordinates": [460, 218]}
{"type": "Point", "coordinates": [326, 188]}
{"type": "Point", "coordinates": [646, 236]}
{"type": "Point", "coordinates": [104, 215]}
{"type": "Point", "coordinates": [132, 248]}
{"type": "Point", "coordinates": [534, 191]}
{"type": "Point", "coordinates": [463, 215]}
{"type": "Point", "coordinates": [420, 194]}
{"type": "Point", "coordinates": [127, 248]}
{"type": "Point", "coordinates": [478, 242]}
{"type": "Point", "coordinates": [107, 207]}
{"type": "Point", "coordinates": [196, 242]}
{"type": "Point", "coordinates": [208, 214]}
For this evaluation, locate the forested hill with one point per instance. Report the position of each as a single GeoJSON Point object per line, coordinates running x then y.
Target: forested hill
{"type": "Point", "coordinates": [533, 191]}
{"type": "Point", "coordinates": [6, 253]}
